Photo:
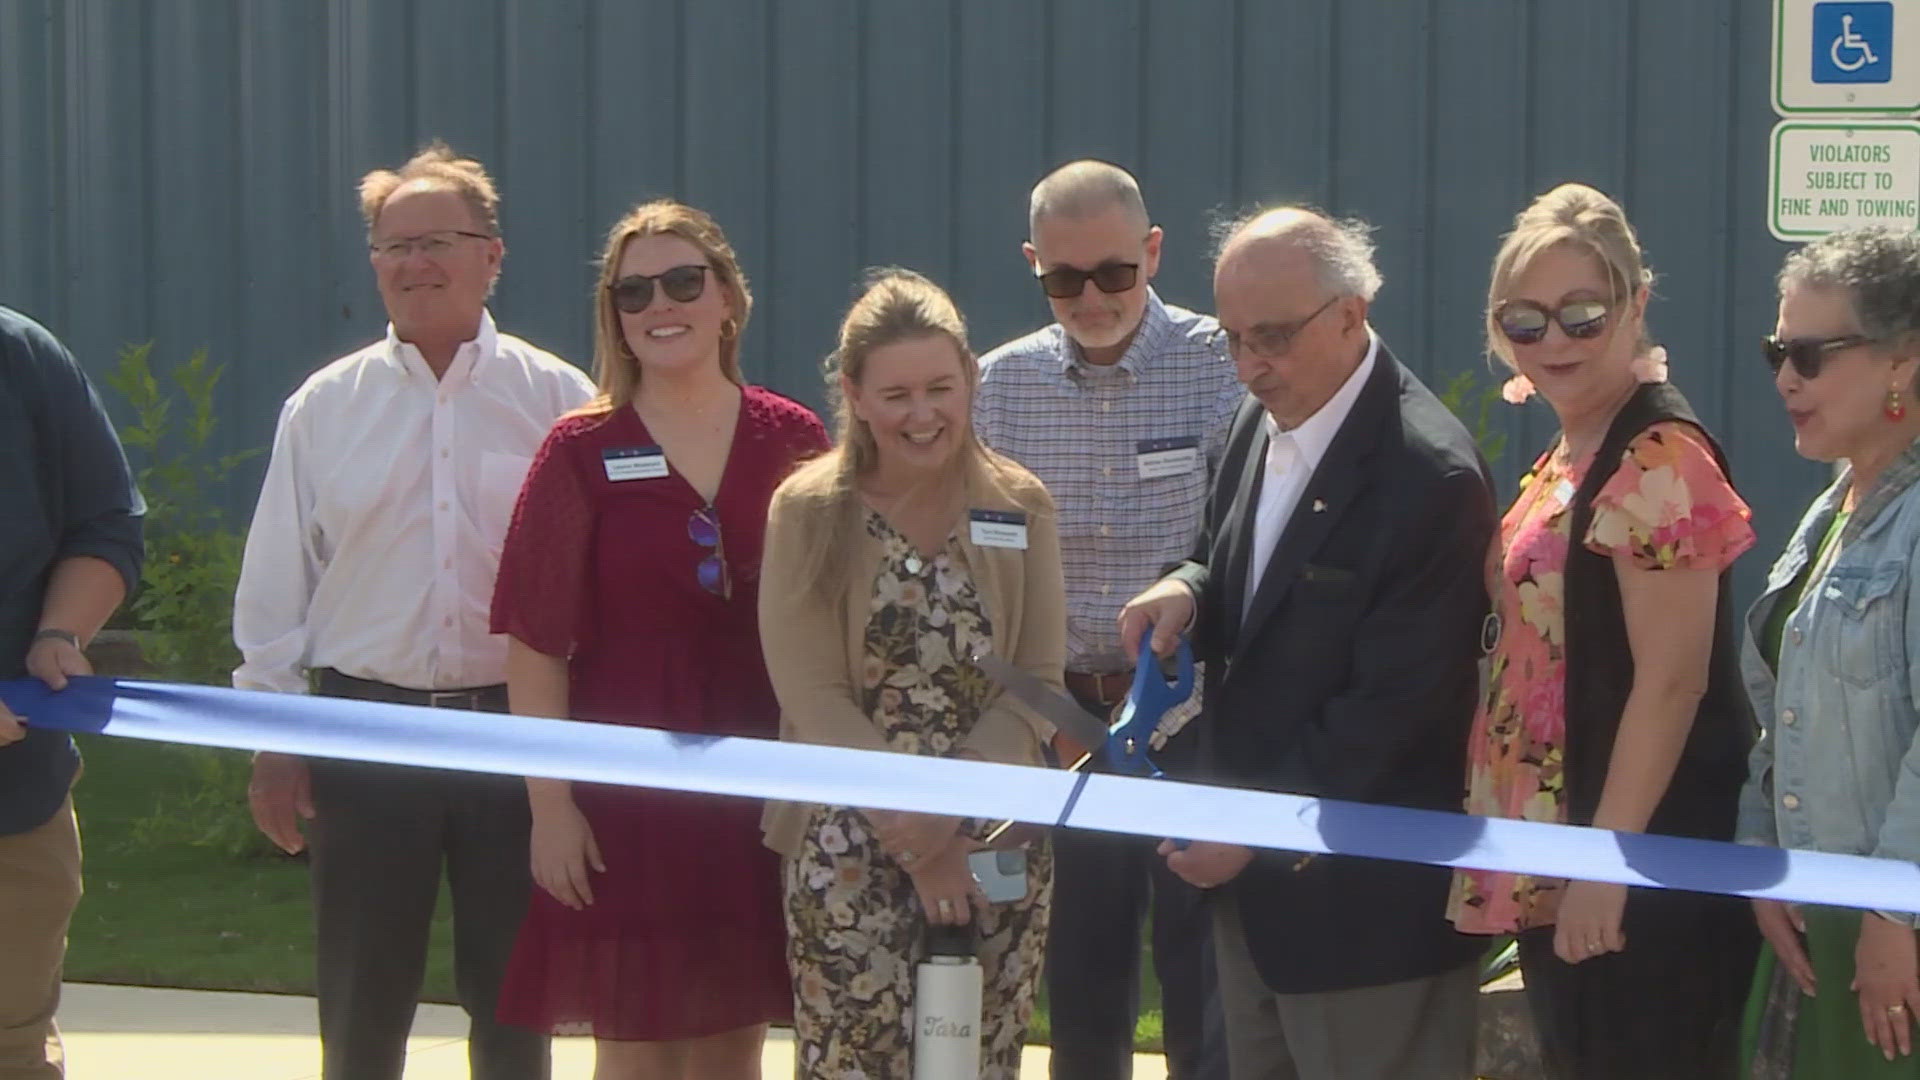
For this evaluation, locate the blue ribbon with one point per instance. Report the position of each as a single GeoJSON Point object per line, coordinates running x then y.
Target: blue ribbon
{"type": "Point", "coordinates": [764, 769]}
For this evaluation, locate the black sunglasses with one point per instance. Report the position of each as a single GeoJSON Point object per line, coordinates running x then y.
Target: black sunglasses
{"type": "Point", "coordinates": [1808, 355]}
{"type": "Point", "coordinates": [1525, 322]}
{"type": "Point", "coordinates": [1067, 282]}
{"type": "Point", "coordinates": [703, 528]}
{"type": "Point", "coordinates": [684, 284]}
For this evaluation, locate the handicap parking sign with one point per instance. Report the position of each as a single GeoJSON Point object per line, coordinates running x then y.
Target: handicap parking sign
{"type": "Point", "coordinates": [1853, 42]}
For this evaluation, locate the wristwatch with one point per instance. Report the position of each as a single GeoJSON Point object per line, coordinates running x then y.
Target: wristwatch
{"type": "Point", "coordinates": [67, 636]}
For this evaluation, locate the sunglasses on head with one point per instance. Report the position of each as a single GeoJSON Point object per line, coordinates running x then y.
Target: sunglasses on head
{"type": "Point", "coordinates": [1808, 355]}
{"type": "Point", "coordinates": [1525, 322]}
{"type": "Point", "coordinates": [703, 528]}
{"type": "Point", "coordinates": [1067, 282]}
{"type": "Point", "coordinates": [684, 284]}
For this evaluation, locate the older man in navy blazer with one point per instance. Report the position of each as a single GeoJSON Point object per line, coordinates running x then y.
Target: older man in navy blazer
{"type": "Point", "coordinates": [1335, 594]}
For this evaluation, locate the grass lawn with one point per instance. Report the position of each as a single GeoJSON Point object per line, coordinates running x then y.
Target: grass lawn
{"type": "Point", "coordinates": [161, 910]}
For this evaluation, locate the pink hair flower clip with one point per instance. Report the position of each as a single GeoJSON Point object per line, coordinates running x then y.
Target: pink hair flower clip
{"type": "Point", "coordinates": [1651, 367]}
{"type": "Point", "coordinates": [1517, 390]}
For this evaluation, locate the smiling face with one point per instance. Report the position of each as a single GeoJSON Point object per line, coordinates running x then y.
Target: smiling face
{"type": "Point", "coordinates": [1576, 375]}
{"type": "Point", "coordinates": [671, 334]}
{"type": "Point", "coordinates": [439, 296]}
{"type": "Point", "coordinates": [1840, 412]}
{"type": "Point", "coordinates": [913, 396]}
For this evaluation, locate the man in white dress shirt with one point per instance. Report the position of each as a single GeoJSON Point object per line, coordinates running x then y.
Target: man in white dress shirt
{"type": "Point", "coordinates": [369, 574]}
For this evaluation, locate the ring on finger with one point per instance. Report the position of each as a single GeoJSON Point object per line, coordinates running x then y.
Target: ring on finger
{"type": "Point", "coordinates": [946, 906]}
{"type": "Point", "coordinates": [1896, 1008]}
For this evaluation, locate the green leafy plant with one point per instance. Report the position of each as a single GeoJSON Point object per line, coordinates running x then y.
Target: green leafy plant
{"type": "Point", "coordinates": [1474, 404]}
{"type": "Point", "coordinates": [182, 613]}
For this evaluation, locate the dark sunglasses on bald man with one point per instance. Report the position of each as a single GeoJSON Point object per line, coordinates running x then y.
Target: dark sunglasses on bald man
{"type": "Point", "coordinates": [1067, 282]}
{"type": "Point", "coordinates": [682, 284]}
{"type": "Point", "coordinates": [1525, 322]}
{"type": "Point", "coordinates": [1808, 355]}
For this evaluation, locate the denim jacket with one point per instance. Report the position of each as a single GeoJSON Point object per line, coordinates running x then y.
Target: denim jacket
{"type": "Point", "coordinates": [1836, 768]}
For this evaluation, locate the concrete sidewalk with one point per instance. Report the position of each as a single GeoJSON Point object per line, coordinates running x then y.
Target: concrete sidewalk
{"type": "Point", "coordinates": [120, 1032]}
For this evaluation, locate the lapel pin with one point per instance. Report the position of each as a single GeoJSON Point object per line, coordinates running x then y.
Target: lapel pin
{"type": "Point", "coordinates": [1319, 506]}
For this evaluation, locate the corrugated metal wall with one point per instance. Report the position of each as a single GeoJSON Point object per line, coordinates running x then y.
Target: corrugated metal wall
{"type": "Point", "coordinates": [183, 171]}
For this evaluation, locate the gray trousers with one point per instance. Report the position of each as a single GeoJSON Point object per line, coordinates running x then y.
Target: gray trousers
{"type": "Point", "coordinates": [1421, 1029]}
{"type": "Point", "coordinates": [378, 839]}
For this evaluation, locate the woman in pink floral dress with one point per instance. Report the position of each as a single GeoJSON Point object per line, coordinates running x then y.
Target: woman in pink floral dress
{"type": "Point", "coordinates": [1613, 694]}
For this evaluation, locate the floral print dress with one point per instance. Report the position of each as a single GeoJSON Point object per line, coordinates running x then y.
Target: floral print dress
{"type": "Point", "coordinates": [1668, 507]}
{"type": "Point", "coordinates": [855, 929]}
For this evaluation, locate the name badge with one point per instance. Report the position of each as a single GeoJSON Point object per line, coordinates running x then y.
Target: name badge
{"type": "Point", "coordinates": [635, 463]}
{"type": "Point", "coordinates": [1563, 493]}
{"type": "Point", "coordinates": [999, 529]}
{"type": "Point", "coordinates": [1156, 458]}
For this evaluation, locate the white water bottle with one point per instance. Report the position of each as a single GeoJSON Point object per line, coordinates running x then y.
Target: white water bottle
{"type": "Point", "coordinates": [946, 1007]}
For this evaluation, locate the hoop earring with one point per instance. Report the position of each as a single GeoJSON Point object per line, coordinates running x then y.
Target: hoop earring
{"type": "Point", "coordinates": [1896, 410]}
{"type": "Point", "coordinates": [729, 329]}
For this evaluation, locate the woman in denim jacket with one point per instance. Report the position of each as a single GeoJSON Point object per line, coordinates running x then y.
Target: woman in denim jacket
{"type": "Point", "coordinates": [1832, 662]}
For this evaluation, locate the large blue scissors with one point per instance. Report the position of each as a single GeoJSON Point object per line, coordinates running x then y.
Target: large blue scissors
{"type": "Point", "coordinates": [1123, 745]}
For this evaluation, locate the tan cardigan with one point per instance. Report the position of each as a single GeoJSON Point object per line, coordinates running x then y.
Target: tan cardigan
{"type": "Point", "coordinates": [815, 651]}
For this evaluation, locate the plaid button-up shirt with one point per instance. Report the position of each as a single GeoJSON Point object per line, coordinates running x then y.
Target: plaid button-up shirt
{"type": "Point", "coordinates": [1079, 427]}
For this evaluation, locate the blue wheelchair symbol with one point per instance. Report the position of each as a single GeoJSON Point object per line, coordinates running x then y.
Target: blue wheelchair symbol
{"type": "Point", "coordinates": [1853, 42]}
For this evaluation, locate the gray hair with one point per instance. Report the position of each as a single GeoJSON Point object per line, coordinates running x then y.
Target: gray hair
{"type": "Point", "coordinates": [1879, 270]}
{"type": "Point", "coordinates": [1341, 248]}
{"type": "Point", "coordinates": [1082, 189]}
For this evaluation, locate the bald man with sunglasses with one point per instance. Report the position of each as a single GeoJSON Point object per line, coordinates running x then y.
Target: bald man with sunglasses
{"type": "Point", "coordinates": [1121, 407]}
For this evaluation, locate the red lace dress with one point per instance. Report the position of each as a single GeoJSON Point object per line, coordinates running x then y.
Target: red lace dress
{"type": "Point", "coordinates": [685, 935]}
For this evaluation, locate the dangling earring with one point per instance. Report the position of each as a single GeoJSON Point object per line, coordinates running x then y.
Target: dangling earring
{"type": "Point", "coordinates": [1896, 411]}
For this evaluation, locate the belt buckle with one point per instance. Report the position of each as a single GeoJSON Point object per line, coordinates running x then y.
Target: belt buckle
{"type": "Point", "coordinates": [450, 699]}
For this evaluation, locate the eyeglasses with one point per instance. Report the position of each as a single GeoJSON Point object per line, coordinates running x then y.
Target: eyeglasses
{"type": "Point", "coordinates": [431, 244]}
{"type": "Point", "coordinates": [1525, 322]}
{"type": "Point", "coordinates": [1269, 340]}
{"type": "Point", "coordinates": [1808, 355]}
{"type": "Point", "coordinates": [682, 284]}
{"type": "Point", "coordinates": [1067, 282]}
{"type": "Point", "coordinates": [703, 528]}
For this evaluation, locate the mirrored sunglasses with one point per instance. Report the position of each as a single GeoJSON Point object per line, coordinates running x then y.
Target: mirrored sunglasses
{"type": "Point", "coordinates": [1525, 322]}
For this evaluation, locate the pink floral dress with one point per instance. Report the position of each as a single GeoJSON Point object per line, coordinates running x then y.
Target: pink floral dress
{"type": "Point", "coordinates": [1668, 507]}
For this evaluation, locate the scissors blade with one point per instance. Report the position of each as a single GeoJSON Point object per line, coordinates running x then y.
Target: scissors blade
{"type": "Point", "coordinates": [1057, 708]}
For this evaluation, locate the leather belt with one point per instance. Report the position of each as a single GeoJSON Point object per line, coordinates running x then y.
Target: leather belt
{"type": "Point", "coordinates": [1106, 688]}
{"type": "Point", "coordinates": [475, 698]}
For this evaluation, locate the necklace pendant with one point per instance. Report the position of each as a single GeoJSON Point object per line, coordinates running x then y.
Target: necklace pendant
{"type": "Point", "coordinates": [914, 565]}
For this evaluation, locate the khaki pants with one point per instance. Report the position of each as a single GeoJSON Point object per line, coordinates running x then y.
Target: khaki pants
{"type": "Point", "coordinates": [39, 886]}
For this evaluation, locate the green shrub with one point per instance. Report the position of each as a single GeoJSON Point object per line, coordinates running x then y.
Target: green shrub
{"type": "Point", "coordinates": [182, 612]}
{"type": "Point", "coordinates": [1474, 404]}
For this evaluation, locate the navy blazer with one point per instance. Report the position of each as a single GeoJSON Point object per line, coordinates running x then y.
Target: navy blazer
{"type": "Point", "coordinates": [1352, 675]}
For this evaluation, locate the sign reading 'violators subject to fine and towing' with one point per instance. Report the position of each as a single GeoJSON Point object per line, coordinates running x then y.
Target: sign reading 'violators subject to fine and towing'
{"type": "Point", "coordinates": [1831, 175]}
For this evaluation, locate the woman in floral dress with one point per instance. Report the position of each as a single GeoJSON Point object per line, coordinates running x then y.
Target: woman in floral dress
{"type": "Point", "coordinates": [875, 592]}
{"type": "Point", "coordinates": [1613, 696]}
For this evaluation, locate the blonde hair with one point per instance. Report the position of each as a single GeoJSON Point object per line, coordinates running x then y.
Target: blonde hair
{"type": "Point", "coordinates": [438, 164]}
{"type": "Point", "coordinates": [1580, 216]}
{"type": "Point", "coordinates": [615, 368]}
{"type": "Point", "coordinates": [897, 305]}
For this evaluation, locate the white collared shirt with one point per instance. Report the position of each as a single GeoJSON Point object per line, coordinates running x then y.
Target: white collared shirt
{"type": "Point", "coordinates": [374, 545]}
{"type": "Point", "coordinates": [1292, 456]}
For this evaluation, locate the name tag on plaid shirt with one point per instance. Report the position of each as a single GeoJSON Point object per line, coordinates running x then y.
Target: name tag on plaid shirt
{"type": "Point", "coordinates": [1156, 458]}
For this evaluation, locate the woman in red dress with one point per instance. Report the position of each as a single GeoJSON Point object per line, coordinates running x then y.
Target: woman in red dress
{"type": "Point", "coordinates": [629, 585]}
